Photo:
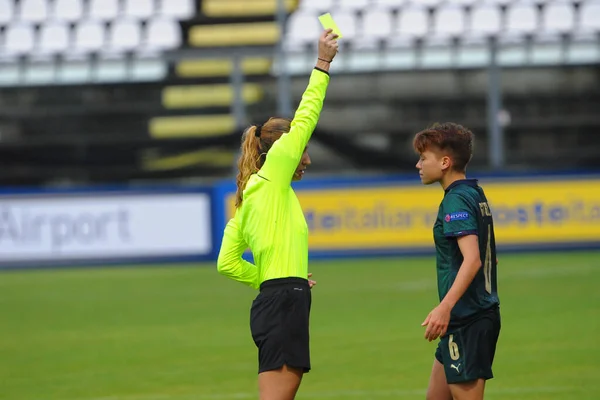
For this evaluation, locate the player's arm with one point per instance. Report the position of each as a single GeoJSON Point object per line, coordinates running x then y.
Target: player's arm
{"type": "Point", "coordinates": [230, 262]}
{"type": "Point", "coordinates": [285, 154]}
{"type": "Point", "coordinates": [461, 222]}
{"type": "Point", "coordinates": [469, 248]}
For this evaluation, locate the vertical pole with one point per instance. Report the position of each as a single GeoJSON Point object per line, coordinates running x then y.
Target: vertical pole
{"type": "Point", "coordinates": [238, 106]}
{"type": "Point", "coordinates": [494, 105]}
{"type": "Point", "coordinates": [284, 97]}
{"type": "Point", "coordinates": [237, 82]}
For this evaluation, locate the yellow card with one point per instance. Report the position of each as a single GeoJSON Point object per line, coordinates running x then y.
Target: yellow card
{"type": "Point", "coordinates": [328, 23]}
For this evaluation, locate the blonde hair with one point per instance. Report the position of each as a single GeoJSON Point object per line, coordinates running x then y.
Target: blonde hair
{"type": "Point", "coordinates": [256, 142]}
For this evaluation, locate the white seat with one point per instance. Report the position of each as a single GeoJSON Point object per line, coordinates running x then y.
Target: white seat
{"type": "Point", "coordinates": [54, 38]}
{"type": "Point", "coordinates": [388, 4]}
{"type": "Point", "coordinates": [104, 10]}
{"type": "Point", "coordinates": [316, 5]}
{"type": "Point", "coordinates": [354, 5]}
{"type": "Point", "coordinates": [33, 10]}
{"type": "Point", "coordinates": [462, 2]}
{"type": "Point", "coordinates": [485, 20]}
{"type": "Point", "coordinates": [19, 39]}
{"type": "Point", "coordinates": [347, 23]}
{"type": "Point", "coordinates": [498, 2]}
{"type": "Point", "coordinates": [427, 3]}
{"type": "Point", "coordinates": [89, 37]}
{"type": "Point", "coordinates": [163, 33]}
{"type": "Point", "coordinates": [142, 9]}
{"type": "Point", "coordinates": [521, 19]}
{"type": "Point", "coordinates": [558, 18]}
{"type": "Point", "coordinates": [302, 28]}
{"type": "Point", "coordinates": [180, 9]}
{"type": "Point", "coordinates": [413, 23]}
{"type": "Point", "coordinates": [124, 35]}
{"type": "Point", "coordinates": [590, 17]}
{"type": "Point", "coordinates": [67, 10]}
{"type": "Point", "coordinates": [377, 24]}
{"type": "Point", "coordinates": [7, 11]}
{"type": "Point", "coordinates": [449, 21]}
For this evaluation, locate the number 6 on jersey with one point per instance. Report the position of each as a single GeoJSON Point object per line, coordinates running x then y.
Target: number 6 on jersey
{"type": "Point", "coordinates": [453, 348]}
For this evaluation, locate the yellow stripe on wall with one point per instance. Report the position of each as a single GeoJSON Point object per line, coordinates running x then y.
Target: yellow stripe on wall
{"type": "Point", "coordinates": [243, 8]}
{"type": "Point", "coordinates": [191, 126]}
{"type": "Point", "coordinates": [207, 95]}
{"type": "Point", "coordinates": [243, 34]}
{"type": "Point", "coordinates": [222, 67]}
{"type": "Point", "coordinates": [217, 158]}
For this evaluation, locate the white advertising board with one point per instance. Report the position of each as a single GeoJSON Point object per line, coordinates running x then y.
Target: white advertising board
{"type": "Point", "coordinates": [98, 226]}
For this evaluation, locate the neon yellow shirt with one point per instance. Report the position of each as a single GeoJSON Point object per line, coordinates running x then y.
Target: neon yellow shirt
{"type": "Point", "coordinates": [270, 220]}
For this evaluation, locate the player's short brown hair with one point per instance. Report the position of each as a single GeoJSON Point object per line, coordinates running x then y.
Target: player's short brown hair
{"type": "Point", "coordinates": [448, 137]}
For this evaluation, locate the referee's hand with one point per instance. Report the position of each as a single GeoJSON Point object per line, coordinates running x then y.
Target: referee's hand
{"type": "Point", "coordinates": [311, 283]}
{"type": "Point", "coordinates": [328, 45]}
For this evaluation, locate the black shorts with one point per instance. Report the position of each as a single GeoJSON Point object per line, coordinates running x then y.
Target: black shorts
{"type": "Point", "coordinates": [279, 324]}
{"type": "Point", "coordinates": [467, 352]}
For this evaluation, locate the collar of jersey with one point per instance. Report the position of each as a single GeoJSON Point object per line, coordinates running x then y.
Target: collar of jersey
{"type": "Point", "coordinates": [469, 182]}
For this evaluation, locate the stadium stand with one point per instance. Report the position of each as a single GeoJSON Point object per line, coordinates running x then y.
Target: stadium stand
{"type": "Point", "coordinates": [126, 90]}
{"type": "Point", "coordinates": [96, 90]}
{"type": "Point", "coordinates": [411, 32]}
{"type": "Point", "coordinates": [426, 61]}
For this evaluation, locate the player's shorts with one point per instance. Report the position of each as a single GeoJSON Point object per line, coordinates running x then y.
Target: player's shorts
{"type": "Point", "coordinates": [279, 324]}
{"type": "Point", "coordinates": [467, 352]}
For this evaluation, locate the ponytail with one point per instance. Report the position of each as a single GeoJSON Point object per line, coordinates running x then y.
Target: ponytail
{"type": "Point", "coordinates": [256, 142]}
{"type": "Point", "coordinates": [249, 161]}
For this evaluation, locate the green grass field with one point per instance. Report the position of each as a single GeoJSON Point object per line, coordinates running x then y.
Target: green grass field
{"type": "Point", "coordinates": [182, 333]}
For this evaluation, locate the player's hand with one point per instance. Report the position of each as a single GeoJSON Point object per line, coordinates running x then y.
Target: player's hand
{"type": "Point", "coordinates": [311, 283]}
{"type": "Point", "coordinates": [437, 322]}
{"type": "Point", "coordinates": [328, 45]}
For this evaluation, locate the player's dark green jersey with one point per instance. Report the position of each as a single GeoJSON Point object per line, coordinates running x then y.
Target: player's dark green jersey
{"type": "Point", "coordinates": [465, 211]}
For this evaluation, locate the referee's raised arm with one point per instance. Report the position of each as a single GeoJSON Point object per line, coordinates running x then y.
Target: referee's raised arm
{"type": "Point", "coordinates": [283, 158]}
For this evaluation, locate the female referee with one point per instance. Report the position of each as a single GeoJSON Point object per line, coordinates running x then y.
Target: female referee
{"type": "Point", "coordinates": [270, 221]}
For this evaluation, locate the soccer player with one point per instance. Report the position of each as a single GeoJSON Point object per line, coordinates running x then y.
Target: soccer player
{"type": "Point", "coordinates": [467, 320]}
{"type": "Point", "coordinates": [269, 220]}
